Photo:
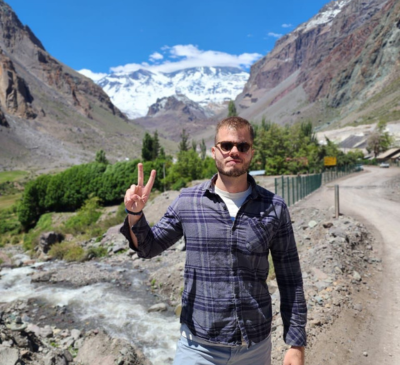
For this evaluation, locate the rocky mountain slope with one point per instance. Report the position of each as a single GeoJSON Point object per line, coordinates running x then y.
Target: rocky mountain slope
{"type": "Point", "coordinates": [169, 115]}
{"type": "Point", "coordinates": [340, 67]}
{"type": "Point", "coordinates": [50, 115]}
{"type": "Point", "coordinates": [211, 87]}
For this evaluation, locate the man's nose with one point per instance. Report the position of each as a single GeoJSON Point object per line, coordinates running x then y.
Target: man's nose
{"type": "Point", "coordinates": [234, 150]}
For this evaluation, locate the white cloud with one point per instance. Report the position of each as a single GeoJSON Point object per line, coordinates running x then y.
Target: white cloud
{"type": "Point", "coordinates": [156, 56]}
{"type": "Point", "coordinates": [275, 35]}
{"type": "Point", "coordinates": [284, 25]}
{"type": "Point", "coordinates": [186, 56]}
{"type": "Point", "coordinates": [92, 75]}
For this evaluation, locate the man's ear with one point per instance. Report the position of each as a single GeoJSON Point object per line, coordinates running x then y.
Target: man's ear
{"type": "Point", "coordinates": [213, 152]}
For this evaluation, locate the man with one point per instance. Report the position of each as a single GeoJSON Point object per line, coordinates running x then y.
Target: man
{"type": "Point", "coordinates": [230, 225]}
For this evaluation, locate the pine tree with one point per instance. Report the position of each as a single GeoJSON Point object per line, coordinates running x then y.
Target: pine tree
{"type": "Point", "coordinates": [156, 146]}
{"type": "Point", "coordinates": [184, 143]}
{"type": "Point", "coordinates": [232, 109]}
{"type": "Point", "coordinates": [147, 147]}
{"type": "Point", "coordinates": [203, 149]}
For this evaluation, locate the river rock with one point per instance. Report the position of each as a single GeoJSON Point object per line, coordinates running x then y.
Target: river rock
{"type": "Point", "coordinates": [9, 356]}
{"type": "Point", "coordinates": [48, 239]}
{"type": "Point", "coordinates": [102, 349]}
{"type": "Point", "coordinates": [160, 307]}
{"type": "Point", "coordinates": [55, 357]}
{"type": "Point", "coordinates": [75, 334]}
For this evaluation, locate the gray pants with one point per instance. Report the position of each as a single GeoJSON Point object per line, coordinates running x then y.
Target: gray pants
{"type": "Point", "coordinates": [192, 350]}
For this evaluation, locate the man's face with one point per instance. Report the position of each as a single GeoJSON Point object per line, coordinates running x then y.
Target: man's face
{"type": "Point", "coordinates": [232, 163]}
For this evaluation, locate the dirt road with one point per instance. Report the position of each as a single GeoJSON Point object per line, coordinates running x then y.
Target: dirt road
{"type": "Point", "coordinates": [372, 336]}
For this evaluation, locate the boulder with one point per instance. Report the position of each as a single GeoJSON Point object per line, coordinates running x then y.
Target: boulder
{"type": "Point", "coordinates": [48, 239]}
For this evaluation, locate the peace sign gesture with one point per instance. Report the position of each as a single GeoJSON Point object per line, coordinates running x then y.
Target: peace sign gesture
{"type": "Point", "coordinates": [137, 196]}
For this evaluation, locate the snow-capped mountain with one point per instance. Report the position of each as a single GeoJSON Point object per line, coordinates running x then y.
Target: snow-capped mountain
{"type": "Point", "coordinates": [327, 14]}
{"type": "Point", "coordinates": [135, 92]}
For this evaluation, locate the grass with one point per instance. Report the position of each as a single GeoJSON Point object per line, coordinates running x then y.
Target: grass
{"type": "Point", "coordinates": [68, 251]}
{"type": "Point", "coordinates": [12, 176]}
{"type": "Point", "coordinates": [44, 224]}
{"type": "Point", "coordinates": [7, 201]}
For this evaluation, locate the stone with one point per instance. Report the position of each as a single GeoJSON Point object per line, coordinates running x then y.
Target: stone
{"type": "Point", "coordinates": [160, 307]}
{"type": "Point", "coordinates": [9, 356]}
{"type": "Point", "coordinates": [356, 276]}
{"type": "Point", "coordinates": [46, 332]}
{"type": "Point", "coordinates": [178, 310]}
{"type": "Point", "coordinates": [312, 224]}
{"type": "Point", "coordinates": [55, 357]}
{"type": "Point", "coordinates": [48, 239]}
{"type": "Point", "coordinates": [75, 334]}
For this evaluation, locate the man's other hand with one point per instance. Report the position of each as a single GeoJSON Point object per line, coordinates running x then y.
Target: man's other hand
{"type": "Point", "coordinates": [294, 356]}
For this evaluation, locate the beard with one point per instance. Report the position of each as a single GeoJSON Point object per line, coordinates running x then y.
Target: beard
{"type": "Point", "coordinates": [233, 171]}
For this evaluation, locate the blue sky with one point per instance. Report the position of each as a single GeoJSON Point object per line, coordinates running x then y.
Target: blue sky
{"type": "Point", "coordinates": [123, 35]}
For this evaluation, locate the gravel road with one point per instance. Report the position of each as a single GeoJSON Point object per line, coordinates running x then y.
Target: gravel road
{"type": "Point", "coordinates": [373, 198]}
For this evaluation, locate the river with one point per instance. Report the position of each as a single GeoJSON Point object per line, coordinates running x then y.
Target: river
{"type": "Point", "coordinates": [121, 312]}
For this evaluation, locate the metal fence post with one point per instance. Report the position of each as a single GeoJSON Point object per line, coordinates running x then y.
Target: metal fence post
{"type": "Point", "coordinates": [283, 188]}
{"type": "Point", "coordinates": [337, 211]}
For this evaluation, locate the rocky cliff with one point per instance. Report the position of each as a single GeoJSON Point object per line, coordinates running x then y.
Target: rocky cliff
{"type": "Point", "coordinates": [51, 115]}
{"type": "Point", "coordinates": [328, 68]}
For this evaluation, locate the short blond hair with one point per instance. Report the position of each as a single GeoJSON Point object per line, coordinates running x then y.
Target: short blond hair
{"type": "Point", "coordinates": [234, 123]}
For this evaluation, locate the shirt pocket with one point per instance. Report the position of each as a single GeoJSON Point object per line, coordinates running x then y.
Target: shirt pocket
{"type": "Point", "coordinates": [259, 233]}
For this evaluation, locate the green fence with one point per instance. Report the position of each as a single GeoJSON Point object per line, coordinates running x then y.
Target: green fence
{"type": "Point", "coordinates": [293, 189]}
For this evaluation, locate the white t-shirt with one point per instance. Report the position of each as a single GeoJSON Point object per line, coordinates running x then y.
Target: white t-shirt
{"type": "Point", "coordinates": [233, 201]}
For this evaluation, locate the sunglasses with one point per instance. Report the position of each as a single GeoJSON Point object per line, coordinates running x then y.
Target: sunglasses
{"type": "Point", "coordinates": [241, 147]}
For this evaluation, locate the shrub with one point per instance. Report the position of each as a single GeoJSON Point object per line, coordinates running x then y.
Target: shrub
{"type": "Point", "coordinates": [97, 252]}
{"type": "Point", "coordinates": [68, 251]}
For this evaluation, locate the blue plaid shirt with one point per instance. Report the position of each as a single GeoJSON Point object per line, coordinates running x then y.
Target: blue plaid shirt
{"type": "Point", "coordinates": [226, 296]}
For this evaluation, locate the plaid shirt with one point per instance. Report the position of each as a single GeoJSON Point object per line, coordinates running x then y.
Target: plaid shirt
{"type": "Point", "coordinates": [226, 296]}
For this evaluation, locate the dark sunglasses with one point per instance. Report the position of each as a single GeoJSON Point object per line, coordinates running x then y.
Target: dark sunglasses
{"type": "Point", "coordinates": [241, 147]}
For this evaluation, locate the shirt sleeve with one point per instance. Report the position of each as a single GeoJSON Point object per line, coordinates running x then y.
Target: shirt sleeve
{"type": "Point", "coordinates": [290, 282]}
{"type": "Point", "coordinates": [154, 240]}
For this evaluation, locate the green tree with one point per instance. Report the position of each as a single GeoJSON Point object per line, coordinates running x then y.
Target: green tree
{"type": "Point", "coordinates": [203, 149]}
{"type": "Point", "coordinates": [194, 145]}
{"type": "Point", "coordinates": [101, 157]}
{"type": "Point", "coordinates": [184, 143]}
{"type": "Point", "coordinates": [156, 146]}
{"type": "Point", "coordinates": [147, 147]}
{"type": "Point", "coordinates": [379, 140]}
{"type": "Point", "coordinates": [232, 109]}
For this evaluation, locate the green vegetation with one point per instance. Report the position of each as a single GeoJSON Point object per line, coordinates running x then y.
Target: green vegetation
{"type": "Point", "coordinates": [184, 143]}
{"type": "Point", "coordinates": [232, 109]}
{"type": "Point", "coordinates": [85, 190]}
{"type": "Point", "coordinates": [12, 176]}
{"type": "Point", "coordinates": [293, 150]}
{"type": "Point", "coordinates": [68, 251]}
{"type": "Point", "coordinates": [379, 140]}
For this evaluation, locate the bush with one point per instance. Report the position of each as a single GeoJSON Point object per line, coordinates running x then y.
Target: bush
{"type": "Point", "coordinates": [68, 251]}
{"type": "Point", "coordinates": [97, 252]}
{"type": "Point", "coordinates": [86, 217]}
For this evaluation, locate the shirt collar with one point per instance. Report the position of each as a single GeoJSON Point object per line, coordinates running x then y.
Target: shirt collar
{"type": "Point", "coordinates": [210, 186]}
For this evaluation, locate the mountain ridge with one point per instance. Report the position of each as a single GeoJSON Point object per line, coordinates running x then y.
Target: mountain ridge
{"type": "Point", "coordinates": [136, 91]}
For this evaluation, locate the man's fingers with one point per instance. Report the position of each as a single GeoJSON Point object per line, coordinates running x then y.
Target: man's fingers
{"type": "Point", "coordinates": [150, 183]}
{"type": "Point", "coordinates": [140, 174]}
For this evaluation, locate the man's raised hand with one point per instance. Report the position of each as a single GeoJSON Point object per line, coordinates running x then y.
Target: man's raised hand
{"type": "Point", "coordinates": [137, 196]}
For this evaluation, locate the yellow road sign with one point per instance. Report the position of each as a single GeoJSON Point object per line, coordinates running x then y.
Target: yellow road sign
{"type": "Point", "coordinates": [330, 161]}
